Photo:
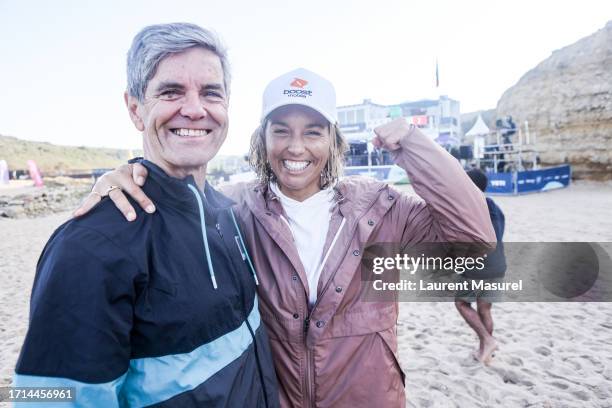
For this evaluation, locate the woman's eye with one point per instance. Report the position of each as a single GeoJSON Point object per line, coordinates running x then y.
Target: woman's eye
{"type": "Point", "coordinates": [280, 131]}
{"type": "Point", "coordinates": [313, 133]}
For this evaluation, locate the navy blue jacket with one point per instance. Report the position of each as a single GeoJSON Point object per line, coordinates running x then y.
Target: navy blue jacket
{"type": "Point", "coordinates": [160, 311]}
{"type": "Point", "coordinates": [495, 264]}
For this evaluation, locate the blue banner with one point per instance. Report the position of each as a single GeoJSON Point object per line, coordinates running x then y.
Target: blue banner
{"type": "Point", "coordinates": [529, 181]}
{"type": "Point", "coordinates": [500, 183]}
{"type": "Point", "coordinates": [543, 180]}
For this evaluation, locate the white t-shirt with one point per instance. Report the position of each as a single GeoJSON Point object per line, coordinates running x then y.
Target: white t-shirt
{"type": "Point", "coordinates": [309, 223]}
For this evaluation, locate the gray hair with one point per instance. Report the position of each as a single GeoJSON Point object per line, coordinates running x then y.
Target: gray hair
{"type": "Point", "coordinates": [155, 42]}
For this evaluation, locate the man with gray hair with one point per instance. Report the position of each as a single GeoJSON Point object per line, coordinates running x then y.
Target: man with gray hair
{"type": "Point", "coordinates": [160, 311]}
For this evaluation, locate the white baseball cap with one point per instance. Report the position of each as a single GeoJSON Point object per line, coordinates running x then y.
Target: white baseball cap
{"type": "Point", "coordinates": [301, 87]}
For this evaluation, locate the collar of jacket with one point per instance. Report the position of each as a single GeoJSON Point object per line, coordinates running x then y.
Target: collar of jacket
{"type": "Point", "coordinates": [165, 189]}
{"type": "Point", "coordinates": [353, 197]}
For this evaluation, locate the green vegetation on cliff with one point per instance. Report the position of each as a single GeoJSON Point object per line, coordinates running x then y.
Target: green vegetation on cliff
{"type": "Point", "coordinates": [53, 158]}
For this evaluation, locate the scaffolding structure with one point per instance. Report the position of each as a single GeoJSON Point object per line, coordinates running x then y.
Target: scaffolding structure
{"type": "Point", "coordinates": [501, 155]}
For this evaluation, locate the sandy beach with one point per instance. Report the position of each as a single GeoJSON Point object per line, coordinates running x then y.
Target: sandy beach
{"type": "Point", "coordinates": [551, 354]}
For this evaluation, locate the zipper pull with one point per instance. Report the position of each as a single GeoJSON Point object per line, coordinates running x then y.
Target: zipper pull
{"type": "Point", "coordinates": [218, 227]}
{"type": "Point", "coordinates": [306, 325]}
{"type": "Point", "coordinates": [242, 254]}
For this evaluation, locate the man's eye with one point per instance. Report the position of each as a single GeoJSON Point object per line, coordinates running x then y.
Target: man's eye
{"type": "Point", "coordinates": [169, 94]}
{"type": "Point", "coordinates": [213, 95]}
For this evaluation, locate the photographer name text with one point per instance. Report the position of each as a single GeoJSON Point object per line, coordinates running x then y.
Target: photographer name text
{"type": "Point", "coordinates": [422, 285]}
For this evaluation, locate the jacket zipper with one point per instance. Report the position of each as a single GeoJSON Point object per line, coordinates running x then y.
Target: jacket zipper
{"type": "Point", "coordinates": [257, 357]}
{"type": "Point", "coordinates": [333, 243]}
{"type": "Point", "coordinates": [328, 283]}
{"type": "Point", "coordinates": [239, 241]}
{"type": "Point", "coordinates": [309, 355]}
{"type": "Point", "coordinates": [309, 400]}
{"type": "Point", "coordinates": [198, 197]}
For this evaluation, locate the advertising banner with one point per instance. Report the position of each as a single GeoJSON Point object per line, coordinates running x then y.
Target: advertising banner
{"type": "Point", "coordinates": [543, 180]}
{"type": "Point", "coordinates": [500, 183]}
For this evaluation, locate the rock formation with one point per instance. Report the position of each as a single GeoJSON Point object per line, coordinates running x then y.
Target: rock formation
{"type": "Point", "coordinates": [567, 100]}
{"type": "Point", "coordinates": [59, 194]}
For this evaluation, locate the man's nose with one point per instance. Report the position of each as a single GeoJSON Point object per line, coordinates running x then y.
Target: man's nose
{"type": "Point", "coordinates": [193, 106]}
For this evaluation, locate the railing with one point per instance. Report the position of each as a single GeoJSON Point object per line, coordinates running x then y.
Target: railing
{"type": "Point", "coordinates": [501, 155]}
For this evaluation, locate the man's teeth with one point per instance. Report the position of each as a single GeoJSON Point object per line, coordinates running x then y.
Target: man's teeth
{"type": "Point", "coordinates": [295, 165]}
{"type": "Point", "coordinates": [190, 132]}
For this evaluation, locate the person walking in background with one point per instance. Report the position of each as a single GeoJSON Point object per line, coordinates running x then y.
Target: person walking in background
{"type": "Point", "coordinates": [480, 319]}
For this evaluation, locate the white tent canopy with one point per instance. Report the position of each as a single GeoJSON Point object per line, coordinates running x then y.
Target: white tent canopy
{"type": "Point", "coordinates": [478, 133]}
{"type": "Point", "coordinates": [479, 128]}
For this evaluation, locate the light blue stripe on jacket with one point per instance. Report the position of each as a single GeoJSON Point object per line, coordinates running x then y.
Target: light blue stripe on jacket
{"type": "Point", "coordinates": [153, 380]}
{"type": "Point", "coordinates": [85, 394]}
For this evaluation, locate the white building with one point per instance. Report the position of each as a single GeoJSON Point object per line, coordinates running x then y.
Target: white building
{"type": "Point", "coordinates": [440, 119]}
{"type": "Point", "coordinates": [357, 121]}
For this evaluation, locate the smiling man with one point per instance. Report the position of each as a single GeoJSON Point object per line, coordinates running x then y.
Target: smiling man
{"type": "Point", "coordinates": [161, 311]}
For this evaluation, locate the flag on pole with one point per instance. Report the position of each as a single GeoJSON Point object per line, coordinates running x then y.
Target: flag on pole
{"type": "Point", "coordinates": [35, 173]}
{"type": "Point", "coordinates": [437, 75]}
{"type": "Point", "coordinates": [4, 174]}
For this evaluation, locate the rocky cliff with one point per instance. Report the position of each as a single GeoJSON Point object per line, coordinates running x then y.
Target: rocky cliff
{"type": "Point", "coordinates": [567, 100]}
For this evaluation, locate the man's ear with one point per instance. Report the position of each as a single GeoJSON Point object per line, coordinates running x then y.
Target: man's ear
{"type": "Point", "coordinates": [132, 104]}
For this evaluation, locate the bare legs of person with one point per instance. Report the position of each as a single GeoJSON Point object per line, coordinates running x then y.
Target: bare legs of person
{"type": "Point", "coordinates": [481, 322]}
{"type": "Point", "coordinates": [484, 311]}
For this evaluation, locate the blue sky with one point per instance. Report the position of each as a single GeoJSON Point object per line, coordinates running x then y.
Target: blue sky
{"type": "Point", "coordinates": [62, 63]}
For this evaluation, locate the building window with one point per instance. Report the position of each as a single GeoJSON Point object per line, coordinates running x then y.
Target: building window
{"type": "Point", "coordinates": [448, 120]}
{"type": "Point", "coordinates": [350, 116]}
{"type": "Point", "coordinates": [360, 116]}
{"type": "Point", "coordinates": [342, 117]}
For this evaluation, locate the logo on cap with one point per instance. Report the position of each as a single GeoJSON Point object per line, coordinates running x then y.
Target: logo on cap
{"type": "Point", "coordinates": [299, 83]}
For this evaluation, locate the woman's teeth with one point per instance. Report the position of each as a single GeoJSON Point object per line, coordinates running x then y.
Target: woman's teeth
{"type": "Point", "coordinates": [295, 165]}
{"type": "Point", "coordinates": [190, 132]}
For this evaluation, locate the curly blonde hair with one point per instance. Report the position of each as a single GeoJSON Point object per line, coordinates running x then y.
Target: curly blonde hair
{"type": "Point", "coordinates": [258, 156]}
